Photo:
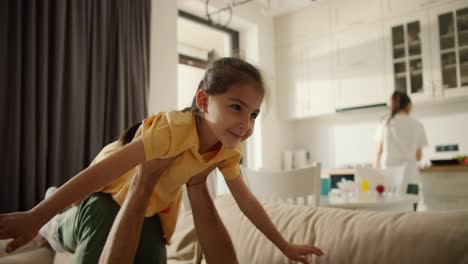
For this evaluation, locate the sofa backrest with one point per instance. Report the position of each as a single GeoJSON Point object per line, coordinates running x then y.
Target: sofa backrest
{"type": "Point", "coordinates": [348, 236]}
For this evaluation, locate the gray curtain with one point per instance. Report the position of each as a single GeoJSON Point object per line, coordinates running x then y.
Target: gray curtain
{"type": "Point", "coordinates": [73, 75]}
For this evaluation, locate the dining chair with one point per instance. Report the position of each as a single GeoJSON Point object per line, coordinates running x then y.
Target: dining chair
{"type": "Point", "coordinates": [296, 186]}
{"type": "Point", "coordinates": [392, 178]}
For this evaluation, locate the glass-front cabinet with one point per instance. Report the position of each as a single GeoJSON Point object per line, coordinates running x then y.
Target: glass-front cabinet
{"type": "Point", "coordinates": [451, 44]}
{"type": "Point", "coordinates": [408, 57]}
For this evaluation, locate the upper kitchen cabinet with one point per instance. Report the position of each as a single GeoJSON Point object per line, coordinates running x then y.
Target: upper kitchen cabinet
{"type": "Point", "coordinates": [304, 79]}
{"type": "Point", "coordinates": [408, 56]}
{"type": "Point", "coordinates": [450, 41]}
{"type": "Point", "coordinates": [359, 66]}
{"type": "Point", "coordinates": [304, 61]}
{"type": "Point", "coordinates": [401, 7]}
{"type": "Point", "coordinates": [309, 23]}
{"type": "Point", "coordinates": [354, 13]}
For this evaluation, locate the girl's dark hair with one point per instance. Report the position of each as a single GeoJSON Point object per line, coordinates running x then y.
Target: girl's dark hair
{"type": "Point", "coordinates": [129, 133]}
{"type": "Point", "coordinates": [224, 73]}
{"type": "Point", "coordinates": [398, 101]}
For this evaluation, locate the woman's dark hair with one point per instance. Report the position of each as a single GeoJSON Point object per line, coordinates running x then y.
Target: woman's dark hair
{"type": "Point", "coordinates": [223, 74]}
{"type": "Point", "coordinates": [129, 133]}
{"type": "Point", "coordinates": [398, 102]}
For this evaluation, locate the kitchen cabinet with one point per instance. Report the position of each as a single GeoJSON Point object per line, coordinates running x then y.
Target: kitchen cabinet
{"type": "Point", "coordinates": [353, 13]}
{"type": "Point", "coordinates": [395, 8]}
{"type": "Point", "coordinates": [359, 66]}
{"type": "Point", "coordinates": [304, 79]}
{"type": "Point", "coordinates": [427, 53]}
{"type": "Point", "coordinates": [408, 56]}
{"type": "Point", "coordinates": [375, 47]}
{"type": "Point", "coordinates": [450, 44]}
{"type": "Point", "coordinates": [303, 25]}
{"type": "Point", "coordinates": [444, 187]}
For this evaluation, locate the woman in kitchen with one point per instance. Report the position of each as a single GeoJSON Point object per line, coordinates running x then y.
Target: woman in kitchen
{"type": "Point", "coordinates": [401, 139]}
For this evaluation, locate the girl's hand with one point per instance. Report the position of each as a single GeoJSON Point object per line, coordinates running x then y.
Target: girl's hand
{"type": "Point", "coordinates": [21, 226]}
{"type": "Point", "coordinates": [300, 252]}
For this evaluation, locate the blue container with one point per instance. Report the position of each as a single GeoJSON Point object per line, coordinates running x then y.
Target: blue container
{"type": "Point", "coordinates": [325, 184]}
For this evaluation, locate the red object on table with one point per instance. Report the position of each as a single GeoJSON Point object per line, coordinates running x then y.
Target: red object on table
{"type": "Point", "coordinates": [380, 188]}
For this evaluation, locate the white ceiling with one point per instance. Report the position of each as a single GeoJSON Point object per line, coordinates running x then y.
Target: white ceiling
{"type": "Point", "coordinates": [203, 38]}
{"type": "Point", "coordinates": [268, 7]}
{"type": "Point", "coordinates": [280, 7]}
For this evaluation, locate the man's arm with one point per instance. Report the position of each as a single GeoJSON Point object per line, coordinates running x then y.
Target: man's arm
{"type": "Point", "coordinates": [214, 239]}
{"type": "Point", "coordinates": [122, 242]}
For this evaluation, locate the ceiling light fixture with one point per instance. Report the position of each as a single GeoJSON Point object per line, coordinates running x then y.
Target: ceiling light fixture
{"type": "Point", "coordinates": [224, 14]}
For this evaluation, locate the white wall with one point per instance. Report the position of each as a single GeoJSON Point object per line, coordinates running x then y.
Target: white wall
{"type": "Point", "coordinates": [187, 82]}
{"type": "Point", "coordinates": [349, 138]}
{"type": "Point", "coordinates": [163, 57]}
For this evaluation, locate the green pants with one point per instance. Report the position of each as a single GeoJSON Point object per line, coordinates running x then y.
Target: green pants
{"type": "Point", "coordinates": [83, 230]}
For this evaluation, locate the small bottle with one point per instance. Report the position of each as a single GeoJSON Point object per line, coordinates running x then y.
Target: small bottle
{"type": "Point", "coordinates": [365, 185]}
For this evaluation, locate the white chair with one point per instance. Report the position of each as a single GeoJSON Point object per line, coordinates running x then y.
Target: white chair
{"type": "Point", "coordinates": [392, 178]}
{"type": "Point", "coordinates": [296, 186]}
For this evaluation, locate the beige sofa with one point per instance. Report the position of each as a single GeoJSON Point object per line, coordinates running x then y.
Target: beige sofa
{"type": "Point", "coordinates": [345, 236]}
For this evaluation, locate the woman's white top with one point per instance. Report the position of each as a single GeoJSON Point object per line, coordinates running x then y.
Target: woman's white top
{"type": "Point", "coordinates": [401, 138]}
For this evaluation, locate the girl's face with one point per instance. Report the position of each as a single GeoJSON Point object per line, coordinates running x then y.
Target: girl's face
{"type": "Point", "coordinates": [231, 116]}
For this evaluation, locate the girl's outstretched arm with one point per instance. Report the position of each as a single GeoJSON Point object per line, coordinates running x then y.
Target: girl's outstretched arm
{"type": "Point", "coordinates": [23, 226]}
{"type": "Point", "coordinates": [250, 206]}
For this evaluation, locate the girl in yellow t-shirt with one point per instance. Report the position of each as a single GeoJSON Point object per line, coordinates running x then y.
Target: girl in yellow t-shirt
{"type": "Point", "coordinates": [222, 115]}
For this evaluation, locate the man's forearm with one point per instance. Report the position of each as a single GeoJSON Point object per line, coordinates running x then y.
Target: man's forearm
{"type": "Point", "coordinates": [212, 234]}
{"type": "Point", "coordinates": [122, 242]}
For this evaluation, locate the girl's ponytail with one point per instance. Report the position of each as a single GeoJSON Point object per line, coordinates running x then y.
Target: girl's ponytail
{"type": "Point", "coordinates": [129, 133]}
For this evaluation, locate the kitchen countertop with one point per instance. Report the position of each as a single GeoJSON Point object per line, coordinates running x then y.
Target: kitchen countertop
{"type": "Point", "coordinates": [432, 168]}
{"type": "Point", "coordinates": [446, 168]}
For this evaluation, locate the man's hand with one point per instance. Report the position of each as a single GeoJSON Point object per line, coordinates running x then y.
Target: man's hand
{"type": "Point", "coordinates": [147, 174]}
{"type": "Point", "coordinates": [21, 226]}
{"type": "Point", "coordinates": [201, 177]}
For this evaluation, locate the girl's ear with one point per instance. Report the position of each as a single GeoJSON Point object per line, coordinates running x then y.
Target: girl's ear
{"type": "Point", "coordinates": [202, 100]}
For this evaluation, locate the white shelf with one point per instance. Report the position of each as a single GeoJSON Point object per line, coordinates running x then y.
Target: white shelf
{"type": "Point", "coordinates": [399, 60]}
{"type": "Point", "coordinates": [414, 43]}
{"type": "Point", "coordinates": [463, 47]}
{"type": "Point", "coordinates": [448, 35]}
{"type": "Point", "coordinates": [400, 75]}
{"type": "Point", "coordinates": [449, 66]}
{"type": "Point", "coordinates": [414, 57]}
{"type": "Point", "coordinates": [417, 72]}
{"type": "Point", "coordinates": [445, 51]}
{"type": "Point", "coordinates": [399, 46]}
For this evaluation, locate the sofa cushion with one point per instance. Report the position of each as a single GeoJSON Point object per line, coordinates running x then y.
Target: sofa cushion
{"type": "Point", "coordinates": [32, 252]}
{"type": "Point", "coordinates": [348, 236]}
{"type": "Point", "coordinates": [184, 247]}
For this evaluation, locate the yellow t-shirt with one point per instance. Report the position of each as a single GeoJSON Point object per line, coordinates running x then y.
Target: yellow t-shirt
{"type": "Point", "coordinates": [165, 135]}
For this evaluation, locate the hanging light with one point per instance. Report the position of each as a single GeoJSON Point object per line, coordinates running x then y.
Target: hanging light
{"type": "Point", "coordinates": [219, 12]}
